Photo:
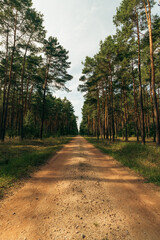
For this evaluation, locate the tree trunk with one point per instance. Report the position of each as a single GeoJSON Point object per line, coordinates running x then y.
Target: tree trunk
{"type": "Point", "coordinates": [148, 115]}
{"type": "Point", "coordinates": [30, 96]}
{"type": "Point", "coordinates": [125, 114]}
{"type": "Point", "coordinates": [5, 84]}
{"type": "Point", "coordinates": [22, 80]}
{"type": "Point", "coordinates": [26, 98]}
{"type": "Point", "coordinates": [111, 94]}
{"type": "Point", "coordinates": [140, 83]}
{"type": "Point", "coordinates": [22, 100]}
{"type": "Point", "coordinates": [106, 116]}
{"type": "Point", "coordinates": [44, 98]}
{"type": "Point", "coordinates": [152, 107]}
{"type": "Point", "coordinates": [135, 107]}
{"type": "Point", "coordinates": [98, 114]}
{"type": "Point", "coordinates": [9, 81]}
{"type": "Point", "coordinates": [125, 110]}
{"type": "Point", "coordinates": [148, 16]}
{"type": "Point", "coordinates": [13, 111]}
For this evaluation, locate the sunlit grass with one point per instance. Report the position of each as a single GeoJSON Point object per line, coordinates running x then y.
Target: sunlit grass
{"type": "Point", "coordinates": [18, 159]}
{"type": "Point", "coordinates": [145, 159]}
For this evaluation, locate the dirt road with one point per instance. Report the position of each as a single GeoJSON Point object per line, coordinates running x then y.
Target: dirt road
{"type": "Point", "coordinates": [82, 194]}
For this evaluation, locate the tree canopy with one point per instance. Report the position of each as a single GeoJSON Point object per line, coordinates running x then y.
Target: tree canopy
{"type": "Point", "coordinates": [32, 67]}
{"type": "Point", "coordinates": [121, 82]}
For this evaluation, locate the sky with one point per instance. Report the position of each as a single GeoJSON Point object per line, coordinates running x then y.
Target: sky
{"type": "Point", "coordinates": [79, 25]}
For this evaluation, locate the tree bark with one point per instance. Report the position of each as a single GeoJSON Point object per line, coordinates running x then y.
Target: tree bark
{"type": "Point", "coordinates": [135, 107]}
{"type": "Point", "coordinates": [5, 85]}
{"type": "Point", "coordinates": [140, 83]}
{"type": "Point", "coordinates": [111, 94]}
{"type": "Point", "coordinates": [30, 97]}
{"type": "Point", "coordinates": [9, 81]}
{"type": "Point", "coordinates": [148, 16]}
{"type": "Point", "coordinates": [26, 98]}
{"type": "Point", "coordinates": [44, 98]}
{"type": "Point", "coordinates": [152, 107]}
{"type": "Point", "coordinates": [106, 116]}
{"type": "Point", "coordinates": [98, 114]}
{"type": "Point", "coordinates": [22, 80]}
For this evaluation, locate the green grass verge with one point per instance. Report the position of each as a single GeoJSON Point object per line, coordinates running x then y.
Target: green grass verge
{"type": "Point", "coordinates": [144, 159]}
{"type": "Point", "coordinates": [19, 159]}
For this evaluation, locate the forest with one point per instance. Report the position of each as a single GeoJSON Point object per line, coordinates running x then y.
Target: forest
{"type": "Point", "coordinates": [32, 68]}
{"type": "Point", "coordinates": [121, 82]}
{"type": "Point", "coordinates": [102, 181]}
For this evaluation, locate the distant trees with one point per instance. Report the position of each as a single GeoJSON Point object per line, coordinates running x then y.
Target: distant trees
{"type": "Point", "coordinates": [121, 82]}
{"type": "Point", "coordinates": [31, 67]}
{"type": "Point", "coordinates": [59, 118]}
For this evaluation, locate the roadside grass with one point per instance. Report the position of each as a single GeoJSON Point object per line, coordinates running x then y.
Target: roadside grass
{"type": "Point", "coordinates": [18, 159]}
{"type": "Point", "coordinates": [144, 159]}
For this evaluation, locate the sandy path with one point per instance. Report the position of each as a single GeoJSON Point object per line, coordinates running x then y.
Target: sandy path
{"type": "Point", "coordinates": [82, 194]}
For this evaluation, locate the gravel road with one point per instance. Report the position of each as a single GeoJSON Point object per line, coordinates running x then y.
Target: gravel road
{"type": "Point", "coordinates": [82, 194]}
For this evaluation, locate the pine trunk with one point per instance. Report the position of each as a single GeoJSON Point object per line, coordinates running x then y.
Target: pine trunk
{"type": "Point", "coordinates": [148, 16]}
{"type": "Point", "coordinates": [9, 82]}
{"type": "Point", "coordinates": [135, 107]}
{"type": "Point", "coordinates": [5, 85]}
{"type": "Point", "coordinates": [98, 114]}
{"type": "Point", "coordinates": [140, 84]}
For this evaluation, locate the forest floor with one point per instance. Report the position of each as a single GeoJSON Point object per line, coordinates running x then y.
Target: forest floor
{"type": "Point", "coordinates": [82, 194]}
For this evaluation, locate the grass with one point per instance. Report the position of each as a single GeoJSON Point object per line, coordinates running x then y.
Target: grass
{"type": "Point", "coordinates": [144, 159]}
{"type": "Point", "coordinates": [19, 159]}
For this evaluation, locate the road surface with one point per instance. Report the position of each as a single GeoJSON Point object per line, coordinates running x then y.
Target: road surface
{"type": "Point", "coordinates": [82, 194]}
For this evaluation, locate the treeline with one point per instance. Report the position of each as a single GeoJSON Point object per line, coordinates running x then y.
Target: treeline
{"type": "Point", "coordinates": [121, 82]}
{"type": "Point", "coordinates": [31, 68]}
{"type": "Point", "coordinates": [59, 119]}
